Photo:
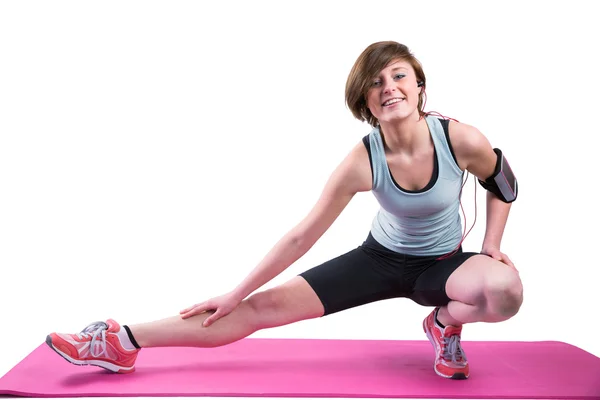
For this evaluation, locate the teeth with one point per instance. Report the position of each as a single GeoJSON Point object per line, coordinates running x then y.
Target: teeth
{"type": "Point", "coordinates": [392, 101]}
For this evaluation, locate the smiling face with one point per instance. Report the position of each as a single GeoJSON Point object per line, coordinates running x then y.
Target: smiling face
{"type": "Point", "coordinates": [382, 71]}
{"type": "Point", "coordinates": [394, 93]}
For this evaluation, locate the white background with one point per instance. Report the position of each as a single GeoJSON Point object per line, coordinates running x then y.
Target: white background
{"type": "Point", "coordinates": [152, 152]}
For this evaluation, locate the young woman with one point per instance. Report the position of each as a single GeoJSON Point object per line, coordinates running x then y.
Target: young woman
{"type": "Point", "coordinates": [414, 164]}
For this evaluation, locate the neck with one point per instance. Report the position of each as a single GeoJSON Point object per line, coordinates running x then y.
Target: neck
{"type": "Point", "coordinates": [408, 135]}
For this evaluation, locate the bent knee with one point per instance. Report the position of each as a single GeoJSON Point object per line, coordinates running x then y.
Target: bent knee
{"type": "Point", "coordinates": [504, 293]}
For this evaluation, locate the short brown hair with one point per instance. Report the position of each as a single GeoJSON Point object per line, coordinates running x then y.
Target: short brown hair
{"type": "Point", "coordinates": [371, 61]}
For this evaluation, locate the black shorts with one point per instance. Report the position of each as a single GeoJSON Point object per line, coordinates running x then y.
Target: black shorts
{"type": "Point", "coordinates": [372, 273]}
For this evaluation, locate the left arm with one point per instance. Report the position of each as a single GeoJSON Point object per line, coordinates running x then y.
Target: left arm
{"type": "Point", "coordinates": [497, 215]}
{"type": "Point", "coordinates": [475, 154]}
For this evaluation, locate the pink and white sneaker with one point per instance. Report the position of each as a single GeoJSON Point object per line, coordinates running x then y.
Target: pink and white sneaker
{"type": "Point", "coordinates": [450, 360]}
{"type": "Point", "coordinates": [97, 344]}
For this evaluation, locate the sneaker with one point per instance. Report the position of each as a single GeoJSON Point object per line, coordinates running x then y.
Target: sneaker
{"type": "Point", "coordinates": [450, 360]}
{"type": "Point", "coordinates": [98, 344]}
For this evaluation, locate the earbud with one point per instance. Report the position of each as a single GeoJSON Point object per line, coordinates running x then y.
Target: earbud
{"type": "Point", "coordinates": [420, 84]}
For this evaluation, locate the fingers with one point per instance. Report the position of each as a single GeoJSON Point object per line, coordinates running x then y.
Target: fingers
{"type": "Point", "coordinates": [185, 310]}
{"type": "Point", "coordinates": [194, 310]}
{"type": "Point", "coordinates": [502, 258]}
{"type": "Point", "coordinates": [208, 321]}
{"type": "Point", "coordinates": [213, 318]}
{"type": "Point", "coordinates": [202, 308]}
{"type": "Point", "coordinates": [508, 262]}
{"type": "Point", "coordinates": [495, 255]}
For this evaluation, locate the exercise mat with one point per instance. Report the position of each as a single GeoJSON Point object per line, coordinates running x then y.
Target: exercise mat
{"type": "Point", "coordinates": [258, 367]}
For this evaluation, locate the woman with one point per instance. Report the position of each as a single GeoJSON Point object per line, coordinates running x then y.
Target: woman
{"type": "Point", "coordinates": [414, 164]}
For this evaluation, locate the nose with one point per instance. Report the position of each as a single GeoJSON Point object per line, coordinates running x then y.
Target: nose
{"type": "Point", "coordinates": [389, 86]}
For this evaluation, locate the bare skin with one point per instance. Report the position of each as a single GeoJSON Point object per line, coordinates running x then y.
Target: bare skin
{"type": "Point", "coordinates": [285, 304]}
{"type": "Point", "coordinates": [485, 288]}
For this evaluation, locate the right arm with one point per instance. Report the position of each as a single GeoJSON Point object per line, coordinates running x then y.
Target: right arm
{"type": "Point", "coordinates": [352, 175]}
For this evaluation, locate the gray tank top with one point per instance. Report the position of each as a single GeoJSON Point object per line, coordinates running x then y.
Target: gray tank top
{"type": "Point", "coordinates": [424, 222]}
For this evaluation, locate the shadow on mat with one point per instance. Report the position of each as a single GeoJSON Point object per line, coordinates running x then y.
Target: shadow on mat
{"type": "Point", "coordinates": [242, 369]}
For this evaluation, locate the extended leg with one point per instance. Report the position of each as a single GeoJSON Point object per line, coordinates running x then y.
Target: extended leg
{"type": "Point", "coordinates": [291, 302]}
{"type": "Point", "coordinates": [104, 344]}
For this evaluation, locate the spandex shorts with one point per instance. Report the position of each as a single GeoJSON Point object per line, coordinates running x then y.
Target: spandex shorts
{"type": "Point", "coordinates": [372, 272]}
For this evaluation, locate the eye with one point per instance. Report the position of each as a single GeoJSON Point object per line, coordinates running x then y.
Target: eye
{"type": "Point", "coordinates": [399, 76]}
{"type": "Point", "coordinates": [376, 83]}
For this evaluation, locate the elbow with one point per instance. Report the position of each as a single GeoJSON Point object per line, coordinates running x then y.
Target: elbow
{"type": "Point", "coordinates": [300, 242]}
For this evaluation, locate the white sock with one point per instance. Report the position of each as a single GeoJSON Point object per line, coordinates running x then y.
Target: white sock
{"type": "Point", "coordinates": [124, 339]}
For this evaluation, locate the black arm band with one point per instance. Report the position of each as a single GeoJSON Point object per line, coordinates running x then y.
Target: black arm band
{"type": "Point", "coordinates": [503, 182]}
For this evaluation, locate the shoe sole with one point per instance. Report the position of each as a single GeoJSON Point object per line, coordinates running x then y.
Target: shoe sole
{"type": "Point", "coordinates": [102, 364]}
{"type": "Point", "coordinates": [457, 375]}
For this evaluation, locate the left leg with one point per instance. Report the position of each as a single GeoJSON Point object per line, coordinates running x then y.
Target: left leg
{"type": "Point", "coordinates": [481, 290]}
{"type": "Point", "coordinates": [465, 287]}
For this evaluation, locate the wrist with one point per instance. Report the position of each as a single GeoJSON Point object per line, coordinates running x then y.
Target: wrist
{"type": "Point", "coordinates": [238, 294]}
{"type": "Point", "coordinates": [490, 245]}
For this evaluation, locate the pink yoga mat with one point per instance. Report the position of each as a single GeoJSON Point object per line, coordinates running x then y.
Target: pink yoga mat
{"type": "Point", "coordinates": [320, 368]}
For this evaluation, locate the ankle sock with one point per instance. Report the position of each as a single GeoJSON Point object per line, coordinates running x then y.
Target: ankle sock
{"type": "Point", "coordinates": [127, 340]}
{"type": "Point", "coordinates": [438, 322]}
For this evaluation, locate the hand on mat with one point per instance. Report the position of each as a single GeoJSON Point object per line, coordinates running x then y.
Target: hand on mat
{"type": "Point", "coordinates": [221, 305]}
{"type": "Point", "coordinates": [496, 254]}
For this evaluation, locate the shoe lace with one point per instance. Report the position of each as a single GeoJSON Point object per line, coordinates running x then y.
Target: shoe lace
{"type": "Point", "coordinates": [97, 331]}
{"type": "Point", "coordinates": [453, 350]}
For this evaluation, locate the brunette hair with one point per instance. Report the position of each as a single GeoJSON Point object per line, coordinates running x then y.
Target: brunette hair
{"type": "Point", "coordinates": [368, 65]}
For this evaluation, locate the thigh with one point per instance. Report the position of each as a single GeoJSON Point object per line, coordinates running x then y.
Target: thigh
{"type": "Point", "coordinates": [354, 279]}
{"type": "Point", "coordinates": [431, 287]}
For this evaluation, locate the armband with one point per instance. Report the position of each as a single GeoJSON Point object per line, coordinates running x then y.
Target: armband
{"type": "Point", "coordinates": [503, 182]}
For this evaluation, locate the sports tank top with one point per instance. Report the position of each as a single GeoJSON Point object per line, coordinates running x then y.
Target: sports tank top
{"type": "Point", "coordinates": [424, 222]}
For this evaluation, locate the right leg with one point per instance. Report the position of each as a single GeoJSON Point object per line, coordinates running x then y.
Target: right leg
{"type": "Point", "coordinates": [108, 345]}
{"type": "Point", "coordinates": [363, 275]}
{"type": "Point", "coordinates": [290, 302]}
{"type": "Point", "coordinates": [360, 276]}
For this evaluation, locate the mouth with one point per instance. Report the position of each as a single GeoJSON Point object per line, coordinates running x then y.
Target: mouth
{"type": "Point", "coordinates": [393, 101]}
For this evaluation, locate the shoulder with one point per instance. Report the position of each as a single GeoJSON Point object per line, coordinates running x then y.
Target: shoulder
{"type": "Point", "coordinates": [472, 148]}
{"type": "Point", "coordinates": [466, 139]}
{"type": "Point", "coordinates": [353, 173]}
{"type": "Point", "coordinates": [356, 167]}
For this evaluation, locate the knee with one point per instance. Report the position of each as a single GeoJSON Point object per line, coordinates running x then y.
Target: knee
{"type": "Point", "coordinates": [264, 304]}
{"type": "Point", "coordinates": [504, 293]}
{"type": "Point", "coordinates": [263, 301]}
